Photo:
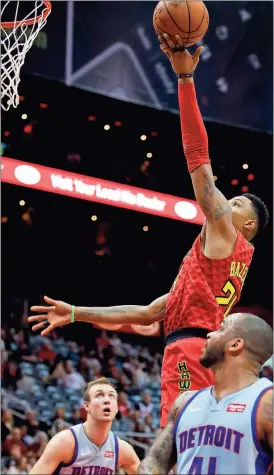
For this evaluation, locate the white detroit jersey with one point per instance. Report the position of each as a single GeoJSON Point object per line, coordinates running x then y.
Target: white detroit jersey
{"type": "Point", "coordinates": [88, 459]}
{"type": "Point", "coordinates": [221, 437]}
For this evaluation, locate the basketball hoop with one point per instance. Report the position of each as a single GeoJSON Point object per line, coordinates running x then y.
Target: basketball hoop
{"type": "Point", "coordinates": [17, 38]}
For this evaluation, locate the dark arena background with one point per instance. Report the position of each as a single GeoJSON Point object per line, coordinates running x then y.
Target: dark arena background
{"type": "Point", "coordinates": [98, 99]}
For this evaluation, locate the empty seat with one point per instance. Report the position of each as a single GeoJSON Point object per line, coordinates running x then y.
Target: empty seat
{"type": "Point", "coordinates": [59, 404]}
{"type": "Point", "coordinates": [69, 391]}
{"type": "Point", "coordinates": [135, 398]}
{"type": "Point", "coordinates": [43, 405]}
{"type": "Point", "coordinates": [42, 374]}
{"type": "Point", "coordinates": [42, 367]}
{"type": "Point", "coordinates": [56, 396]}
{"type": "Point", "coordinates": [51, 389]}
{"type": "Point", "coordinates": [37, 394]}
{"type": "Point", "coordinates": [73, 398]}
{"type": "Point", "coordinates": [25, 364]}
{"type": "Point", "coordinates": [27, 371]}
{"type": "Point", "coordinates": [63, 350]}
{"type": "Point", "coordinates": [21, 394]}
{"type": "Point", "coordinates": [46, 415]}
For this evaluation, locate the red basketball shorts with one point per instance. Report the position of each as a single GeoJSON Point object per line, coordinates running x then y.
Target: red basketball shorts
{"type": "Point", "coordinates": [182, 371]}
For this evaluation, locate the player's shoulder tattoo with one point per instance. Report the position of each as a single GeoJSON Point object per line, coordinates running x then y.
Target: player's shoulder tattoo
{"type": "Point", "coordinates": [180, 402]}
{"type": "Point", "coordinates": [267, 407]}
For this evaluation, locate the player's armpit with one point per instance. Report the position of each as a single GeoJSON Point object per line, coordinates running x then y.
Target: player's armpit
{"type": "Point", "coordinates": [128, 459]}
{"type": "Point", "coordinates": [265, 418]}
{"type": "Point", "coordinates": [59, 449]}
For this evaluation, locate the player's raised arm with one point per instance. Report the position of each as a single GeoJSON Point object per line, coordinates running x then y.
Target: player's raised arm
{"type": "Point", "coordinates": [128, 459]}
{"type": "Point", "coordinates": [214, 205]}
{"type": "Point", "coordinates": [59, 449]}
{"type": "Point", "coordinates": [59, 313]}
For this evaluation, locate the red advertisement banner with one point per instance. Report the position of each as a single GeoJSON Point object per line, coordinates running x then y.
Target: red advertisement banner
{"type": "Point", "coordinates": [101, 191]}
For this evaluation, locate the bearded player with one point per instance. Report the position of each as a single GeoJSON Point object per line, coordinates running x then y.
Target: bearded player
{"type": "Point", "coordinates": [213, 272]}
{"type": "Point", "coordinates": [227, 428]}
{"type": "Point", "coordinates": [90, 448]}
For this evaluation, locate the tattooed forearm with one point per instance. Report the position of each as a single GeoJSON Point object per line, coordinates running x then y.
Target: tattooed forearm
{"type": "Point", "coordinates": [124, 314]}
{"type": "Point", "coordinates": [95, 311]}
{"type": "Point", "coordinates": [150, 466]}
{"type": "Point", "coordinates": [161, 456]}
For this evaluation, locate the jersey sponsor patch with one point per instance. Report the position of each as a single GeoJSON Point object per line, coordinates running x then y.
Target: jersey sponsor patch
{"type": "Point", "coordinates": [109, 454]}
{"type": "Point", "coordinates": [236, 408]}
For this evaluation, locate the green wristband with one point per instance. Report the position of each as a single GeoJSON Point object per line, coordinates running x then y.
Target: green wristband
{"type": "Point", "coordinates": [72, 315]}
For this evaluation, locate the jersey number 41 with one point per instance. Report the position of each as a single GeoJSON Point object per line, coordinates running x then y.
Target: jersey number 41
{"type": "Point", "coordinates": [197, 466]}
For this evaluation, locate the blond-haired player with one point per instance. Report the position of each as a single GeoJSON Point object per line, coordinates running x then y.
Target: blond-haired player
{"type": "Point", "coordinates": [90, 448]}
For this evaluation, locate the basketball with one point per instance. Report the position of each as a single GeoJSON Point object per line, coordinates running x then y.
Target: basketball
{"type": "Point", "coordinates": [188, 19]}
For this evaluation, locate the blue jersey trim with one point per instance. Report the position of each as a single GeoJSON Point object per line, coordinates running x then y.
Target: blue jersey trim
{"type": "Point", "coordinates": [263, 460]}
{"type": "Point", "coordinates": [262, 467]}
{"type": "Point", "coordinates": [181, 412]}
{"type": "Point", "coordinates": [116, 445]}
{"type": "Point", "coordinates": [57, 470]}
{"type": "Point", "coordinates": [75, 454]}
{"type": "Point", "coordinates": [74, 457]}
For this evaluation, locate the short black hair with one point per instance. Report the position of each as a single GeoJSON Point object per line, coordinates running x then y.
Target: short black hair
{"type": "Point", "coordinates": [260, 209]}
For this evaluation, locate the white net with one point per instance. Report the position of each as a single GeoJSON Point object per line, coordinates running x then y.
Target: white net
{"type": "Point", "coordinates": [17, 37]}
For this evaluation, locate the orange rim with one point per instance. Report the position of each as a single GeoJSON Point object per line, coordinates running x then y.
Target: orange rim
{"type": "Point", "coordinates": [31, 21]}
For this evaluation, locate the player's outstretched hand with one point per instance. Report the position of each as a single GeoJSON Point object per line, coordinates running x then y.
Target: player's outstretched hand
{"type": "Point", "coordinates": [56, 315]}
{"type": "Point", "coordinates": [181, 61]}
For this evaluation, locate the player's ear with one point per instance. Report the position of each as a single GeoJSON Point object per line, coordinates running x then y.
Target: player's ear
{"type": "Point", "coordinates": [235, 346]}
{"type": "Point", "coordinates": [86, 405]}
{"type": "Point", "coordinates": [250, 225]}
